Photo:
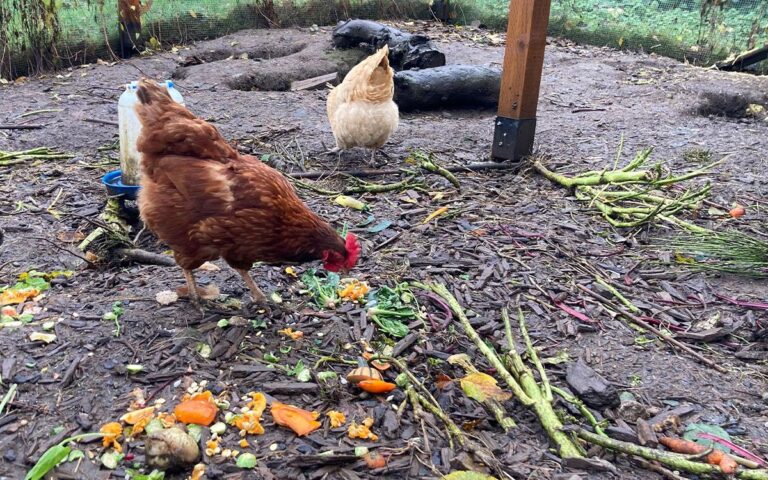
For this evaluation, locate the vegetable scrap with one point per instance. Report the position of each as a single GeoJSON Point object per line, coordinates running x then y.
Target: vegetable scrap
{"type": "Point", "coordinates": [362, 430]}
{"type": "Point", "coordinates": [363, 372]}
{"type": "Point", "coordinates": [376, 386]}
{"type": "Point", "coordinates": [389, 308]}
{"type": "Point", "coordinates": [288, 332]}
{"type": "Point", "coordinates": [138, 419]}
{"type": "Point", "coordinates": [112, 432]}
{"type": "Point", "coordinates": [322, 290]}
{"type": "Point", "coordinates": [352, 203]}
{"type": "Point", "coordinates": [716, 457]}
{"type": "Point", "coordinates": [353, 290]}
{"type": "Point", "coordinates": [337, 419]}
{"type": "Point", "coordinates": [300, 421]}
{"type": "Point", "coordinates": [199, 409]}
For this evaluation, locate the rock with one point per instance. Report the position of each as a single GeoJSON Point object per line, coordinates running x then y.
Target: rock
{"type": "Point", "coordinates": [9, 455]}
{"type": "Point", "coordinates": [590, 386]}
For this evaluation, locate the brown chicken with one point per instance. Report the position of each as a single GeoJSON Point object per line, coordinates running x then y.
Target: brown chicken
{"type": "Point", "coordinates": [360, 109]}
{"type": "Point", "coordinates": [206, 201]}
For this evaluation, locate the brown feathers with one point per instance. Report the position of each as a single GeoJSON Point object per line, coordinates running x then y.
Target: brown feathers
{"type": "Point", "coordinates": [205, 200]}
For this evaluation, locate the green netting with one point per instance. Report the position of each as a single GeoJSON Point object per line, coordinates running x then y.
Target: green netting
{"type": "Point", "coordinates": [40, 34]}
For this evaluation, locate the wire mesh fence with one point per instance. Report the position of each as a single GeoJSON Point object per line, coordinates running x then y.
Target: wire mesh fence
{"type": "Point", "coordinates": [37, 35]}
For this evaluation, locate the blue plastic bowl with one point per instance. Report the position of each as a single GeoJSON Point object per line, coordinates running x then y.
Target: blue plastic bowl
{"type": "Point", "coordinates": [113, 181]}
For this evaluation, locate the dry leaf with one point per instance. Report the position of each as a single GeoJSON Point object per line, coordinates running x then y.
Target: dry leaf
{"type": "Point", "coordinates": [209, 292]}
{"type": "Point", "coordinates": [479, 386]}
{"type": "Point", "coordinates": [435, 214]}
{"type": "Point", "coordinates": [70, 237]}
{"type": "Point", "coordinates": [443, 381]}
{"type": "Point", "coordinates": [209, 267]}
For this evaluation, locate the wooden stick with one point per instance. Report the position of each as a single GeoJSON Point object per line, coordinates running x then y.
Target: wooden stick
{"type": "Point", "coordinates": [646, 326]}
{"type": "Point", "coordinates": [143, 256]}
{"type": "Point", "coordinates": [471, 167]}
{"type": "Point", "coordinates": [29, 126]}
{"type": "Point", "coordinates": [98, 120]}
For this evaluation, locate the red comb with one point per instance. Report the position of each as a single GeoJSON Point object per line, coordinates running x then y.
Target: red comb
{"type": "Point", "coordinates": [353, 250]}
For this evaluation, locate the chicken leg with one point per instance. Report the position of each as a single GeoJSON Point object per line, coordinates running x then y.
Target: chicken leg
{"type": "Point", "coordinates": [194, 295]}
{"type": "Point", "coordinates": [256, 293]}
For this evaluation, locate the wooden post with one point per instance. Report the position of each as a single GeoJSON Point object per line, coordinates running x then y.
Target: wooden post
{"type": "Point", "coordinates": [520, 79]}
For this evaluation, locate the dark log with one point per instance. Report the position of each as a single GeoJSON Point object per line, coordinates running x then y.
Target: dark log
{"type": "Point", "coordinates": [743, 60]}
{"type": "Point", "coordinates": [406, 50]}
{"type": "Point", "coordinates": [450, 86]}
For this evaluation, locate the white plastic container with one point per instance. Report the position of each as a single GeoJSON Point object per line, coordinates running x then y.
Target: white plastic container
{"type": "Point", "coordinates": [130, 127]}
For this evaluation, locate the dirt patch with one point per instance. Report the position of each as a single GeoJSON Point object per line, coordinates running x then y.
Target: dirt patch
{"type": "Point", "coordinates": [265, 60]}
{"type": "Point", "coordinates": [506, 237]}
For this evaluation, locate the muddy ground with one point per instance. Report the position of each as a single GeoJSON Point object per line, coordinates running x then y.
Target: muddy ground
{"type": "Point", "coordinates": [508, 236]}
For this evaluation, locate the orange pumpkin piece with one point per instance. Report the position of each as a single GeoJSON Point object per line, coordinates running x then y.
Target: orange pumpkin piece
{"type": "Point", "coordinates": [288, 332]}
{"type": "Point", "coordinates": [199, 412]}
{"type": "Point", "coordinates": [249, 422]}
{"type": "Point", "coordinates": [300, 421]}
{"type": "Point", "coordinates": [337, 418]}
{"type": "Point", "coordinates": [363, 430]}
{"type": "Point", "coordinates": [203, 396]}
{"type": "Point", "coordinates": [258, 403]}
{"type": "Point", "coordinates": [167, 419]}
{"type": "Point", "coordinates": [111, 433]}
{"type": "Point", "coordinates": [132, 418]}
{"type": "Point", "coordinates": [198, 473]}
{"type": "Point", "coordinates": [376, 386]}
{"type": "Point", "coordinates": [378, 365]}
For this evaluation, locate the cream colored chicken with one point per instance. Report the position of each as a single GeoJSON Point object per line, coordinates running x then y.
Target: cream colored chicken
{"type": "Point", "coordinates": [360, 109]}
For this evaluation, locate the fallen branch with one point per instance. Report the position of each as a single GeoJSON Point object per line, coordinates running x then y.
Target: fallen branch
{"type": "Point", "coordinates": [646, 326]}
{"type": "Point", "coordinates": [493, 405]}
{"type": "Point", "coordinates": [471, 167]}
{"type": "Point", "coordinates": [427, 162]}
{"type": "Point", "coordinates": [142, 256]}
{"type": "Point", "coordinates": [672, 460]}
{"type": "Point", "coordinates": [28, 126]}
{"type": "Point", "coordinates": [624, 202]}
{"type": "Point", "coordinates": [40, 153]}
{"type": "Point", "coordinates": [518, 377]}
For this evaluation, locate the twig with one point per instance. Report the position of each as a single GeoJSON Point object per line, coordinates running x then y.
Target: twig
{"type": "Point", "coordinates": [142, 256]}
{"type": "Point", "coordinates": [644, 325]}
{"type": "Point", "coordinates": [631, 306]}
{"type": "Point", "coordinates": [98, 120]}
{"type": "Point", "coordinates": [28, 126]}
{"type": "Point", "coordinates": [522, 383]}
{"type": "Point", "coordinates": [471, 167]}
{"type": "Point", "coordinates": [494, 406]}
{"type": "Point", "coordinates": [586, 412]}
